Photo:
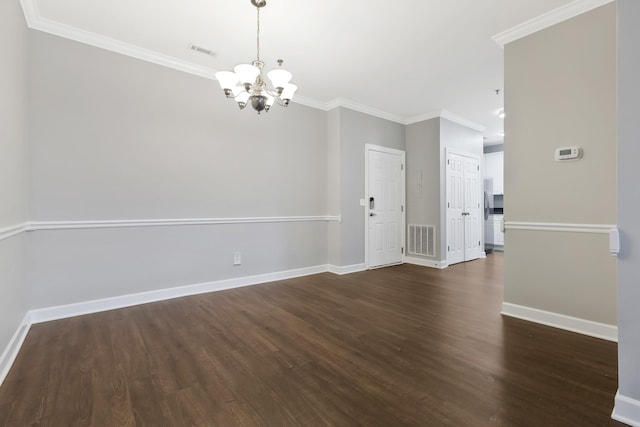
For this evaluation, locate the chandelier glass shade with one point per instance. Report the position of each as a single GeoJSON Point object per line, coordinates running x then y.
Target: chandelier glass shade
{"type": "Point", "coordinates": [246, 83]}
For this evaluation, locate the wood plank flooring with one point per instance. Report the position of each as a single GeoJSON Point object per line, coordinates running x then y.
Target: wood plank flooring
{"type": "Point", "coordinates": [398, 346]}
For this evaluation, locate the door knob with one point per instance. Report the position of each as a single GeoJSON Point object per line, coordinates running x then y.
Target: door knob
{"type": "Point", "coordinates": [372, 214]}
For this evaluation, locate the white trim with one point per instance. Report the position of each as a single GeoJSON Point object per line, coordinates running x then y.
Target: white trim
{"type": "Point", "coordinates": [423, 117]}
{"type": "Point", "coordinates": [559, 227]}
{"type": "Point", "coordinates": [444, 114]}
{"type": "Point", "coordinates": [461, 121]}
{"type": "Point", "coordinates": [11, 351]}
{"type": "Point", "coordinates": [347, 269]}
{"type": "Point", "coordinates": [309, 102]}
{"type": "Point", "coordinates": [96, 306]}
{"type": "Point", "coordinates": [426, 262]}
{"type": "Point", "coordinates": [626, 410]}
{"type": "Point", "coordinates": [66, 225]}
{"type": "Point", "coordinates": [548, 19]}
{"type": "Point", "coordinates": [13, 230]}
{"type": "Point", "coordinates": [37, 22]}
{"type": "Point", "coordinates": [403, 159]}
{"type": "Point", "coordinates": [561, 321]}
{"type": "Point", "coordinates": [352, 105]}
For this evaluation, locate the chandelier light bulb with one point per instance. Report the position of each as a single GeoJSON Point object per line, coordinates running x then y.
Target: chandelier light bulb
{"type": "Point", "coordinates": [287, 93]}
{"type": "Point", "coordinates": [227, 80]}
{"type": "Point", "coordinates": [246, 73]}
{"type": "Point", "coordinates": [279, 78]}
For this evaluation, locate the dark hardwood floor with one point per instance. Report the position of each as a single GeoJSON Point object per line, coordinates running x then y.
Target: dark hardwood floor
{"type": "Point", "coordinates": [403, 345]}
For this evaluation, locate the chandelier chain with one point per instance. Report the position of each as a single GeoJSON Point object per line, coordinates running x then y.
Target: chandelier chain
{"type": "Point", "coordinates": [258, 36]}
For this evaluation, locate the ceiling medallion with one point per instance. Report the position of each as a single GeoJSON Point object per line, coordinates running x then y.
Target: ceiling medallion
{"type": "Point", "coordinates": [247, 85]}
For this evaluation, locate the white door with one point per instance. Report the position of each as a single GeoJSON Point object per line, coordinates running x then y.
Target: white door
{"type": "Point", "coordinates": [474, 213]}
{"type": "Point", "coordinates": [463, 208]}
{"type": "Point", "coordinates": [384, 206]}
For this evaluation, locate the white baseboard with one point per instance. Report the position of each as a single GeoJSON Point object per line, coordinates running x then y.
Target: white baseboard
{"type": "Point", "coordinates": [426, 262]}
{"type": "Point", "coordinates": [573, 324]}
{"type": "Point", "coordinates": [347, 269]}
{"type": "Point", "coordinates": [88, 307]}
{"type": "Point", "coordinates": [95, 306]}
{"type": "Point", "coordinates": [626, 410]}
{"type": "Point", "coordinates": [11, 351]}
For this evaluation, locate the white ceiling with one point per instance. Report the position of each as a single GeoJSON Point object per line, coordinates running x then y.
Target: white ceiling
{"type": "Point", "coordinates": [403, 57]}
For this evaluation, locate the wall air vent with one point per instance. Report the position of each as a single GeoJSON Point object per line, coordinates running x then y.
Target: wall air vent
{"type": "Point", "coordinates": [422, 240]}
{"type": "Point", "coordinates": [201, 49]}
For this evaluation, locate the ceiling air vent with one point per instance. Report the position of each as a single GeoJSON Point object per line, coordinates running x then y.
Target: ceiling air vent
{"type": "Point", "coordinates": [201, 49]}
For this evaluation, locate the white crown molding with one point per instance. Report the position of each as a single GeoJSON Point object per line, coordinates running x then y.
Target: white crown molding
{"type": "Point", "coordinates": [561, 321]}
{"type": "Point", "coordinates": [626, 410]}
{"type": "Point", "coordinates": [352, 105]}
{"type": "Point", "coordinates": [423, 117]}
{"type": "Point", "coordinates": [548, 19]}
{"type": "Point", "coordinates": [13, 230]}
{"type": "Point", "coordinates": [444, 114]}
{"type": "Point", "coordinates": [37, 22]}
{"type": "Point", "coordinates": [461, 121]}
{"type": "Point", "coordinates": [309, 102]}
{"type": "Point", "coordinates": [560, 227]}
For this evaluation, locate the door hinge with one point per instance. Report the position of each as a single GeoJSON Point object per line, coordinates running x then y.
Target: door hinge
{"type": "Point", "coordinates": [478, 168]}
{"type": "Point", "coordinates": [448, 161]}
{"type": "Point", "coordinates": [478, 242]}
{"type": "Point", "coordinates": [401, 167]}
{"type": "Point", "coordinates": [402, 251]}
{"type": "Point", "coordinates": [448, 248]}
{"type": "Point", "coordinates": [401, 208]}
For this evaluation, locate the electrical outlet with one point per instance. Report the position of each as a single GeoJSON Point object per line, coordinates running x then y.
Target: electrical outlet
{"type": "Point", "coordinates": [237, 258]}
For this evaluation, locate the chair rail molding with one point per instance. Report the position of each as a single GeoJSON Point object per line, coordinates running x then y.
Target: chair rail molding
{"type": "Point", "coordinates": [13, 230]}
{"type": "Point", "coordinates": [560, 227]}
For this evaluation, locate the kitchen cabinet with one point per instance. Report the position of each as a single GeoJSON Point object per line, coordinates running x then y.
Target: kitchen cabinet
{"type": "Point", "coordinates": [493, 234]}
{"type": "Point", "coordinates": [498, 234]}
{"type": "Point", "coordinates": [494, 169]}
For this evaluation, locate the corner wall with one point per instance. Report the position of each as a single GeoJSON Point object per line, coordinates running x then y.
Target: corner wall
{"type": "Point", "coordinates": [427, 144]}
{"type": "Point", "coordinates": [114, 138]}
{"type": "Point", "coordinates": [627, 407]}
{"type": "Point", "coordinates": [14, 44]}
{"type": "Point", "coordinates": [356, 130]}
{"type": "Point", "coordinates": [560, 90]}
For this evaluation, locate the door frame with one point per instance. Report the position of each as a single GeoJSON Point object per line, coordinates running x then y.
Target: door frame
{"type": "Point", "coordinates": [444, 212]}
{"type": "Point", "coordinates": [367, 149]}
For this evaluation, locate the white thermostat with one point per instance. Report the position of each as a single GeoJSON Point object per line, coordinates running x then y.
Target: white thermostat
{"type": "Point", "coordinates": [568, 153]}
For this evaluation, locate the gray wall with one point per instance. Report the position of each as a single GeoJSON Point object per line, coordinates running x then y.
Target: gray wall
{"type": "Point", "coordinates": [560, 90]}
{"type": "Point", "coordinates": [629, 198]}
{"type": "Point", "coordinates": [113, 137]}
{"type": "Point", "coordinates": [423, 177]}
{"type": "Point", "coordinates": [357, 130]}
{"type": "Point", "coordinates": [427, 144]}
{"type": "Point", "coordinates": [14, 45]}
{"type": "Point", "coordinates": [333, 184]}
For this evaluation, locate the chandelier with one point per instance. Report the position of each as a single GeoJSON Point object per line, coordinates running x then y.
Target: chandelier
{"type": "Point", "coordinates": [246, 84]}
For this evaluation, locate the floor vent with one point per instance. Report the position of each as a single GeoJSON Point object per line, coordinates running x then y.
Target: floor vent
{"type": "Point", "coordinates": [422, 240]}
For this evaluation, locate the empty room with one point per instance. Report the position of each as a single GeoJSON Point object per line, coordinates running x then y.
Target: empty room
{"type": "Point", "coordinates": [356, 213]}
